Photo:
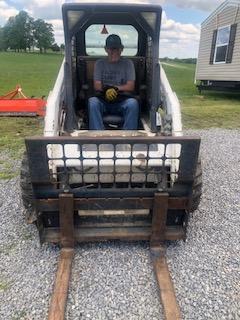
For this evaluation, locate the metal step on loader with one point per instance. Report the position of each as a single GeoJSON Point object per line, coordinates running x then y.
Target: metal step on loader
{"type": "Point", "coordinates": [82, 185]}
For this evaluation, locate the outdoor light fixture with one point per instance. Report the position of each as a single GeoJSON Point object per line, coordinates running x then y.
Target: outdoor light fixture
{"type": "Point", "coordinates": [104, 30]}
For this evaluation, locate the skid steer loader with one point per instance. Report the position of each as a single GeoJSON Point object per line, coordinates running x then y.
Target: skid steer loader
{"type": "Point", "coordinates": [81, 185]}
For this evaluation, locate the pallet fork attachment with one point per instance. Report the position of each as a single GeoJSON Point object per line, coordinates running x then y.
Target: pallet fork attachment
{"type": "Point", "coordinates": [166, 289]}
{"type": "Point", "coordinates": [69, 213]}
{"type": "Point", "coordinates": [60, 292]}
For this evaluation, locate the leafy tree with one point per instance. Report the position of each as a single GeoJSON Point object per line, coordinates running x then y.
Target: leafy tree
{"type": "Point", "coordinates": [2, 40]}
{"type": "Point", "coordinates": [43, 34]}
{"type": "Point", "coordinates": [9, 34]}
{"type": "Point", "coordinates": [20, 28]}
{"type": "Point", "coordinates": [30, 33]}
{"type": "Point", "coordinates": [55, 47]}
{"type": "Point", "coordinates": [18, 32]}
{"type": "Point", "coordinates": [22, 32]}
{"type": "Point", "coordinates": [62, 47]}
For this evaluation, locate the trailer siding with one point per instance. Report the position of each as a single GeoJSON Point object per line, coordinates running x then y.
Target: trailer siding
{"type": "Point", "coordinates": [221, 71]}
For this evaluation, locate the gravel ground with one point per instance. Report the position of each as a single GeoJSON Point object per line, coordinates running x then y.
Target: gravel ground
{"type": "Point", "coordinates": [115, 280]}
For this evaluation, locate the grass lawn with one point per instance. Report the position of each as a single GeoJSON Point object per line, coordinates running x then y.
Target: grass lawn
{"type": "Point", "coordinates": [210, 109]}
{"type": "Point", "coordinates": [36, 73]}
{"type": "Point", "coordinates": [13, 130]}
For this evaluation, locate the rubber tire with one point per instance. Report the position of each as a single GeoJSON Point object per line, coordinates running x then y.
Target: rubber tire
{"type": "Point", "coordinates": [197, 187]}
{"type": "Point", "coordinates": [27, 190]}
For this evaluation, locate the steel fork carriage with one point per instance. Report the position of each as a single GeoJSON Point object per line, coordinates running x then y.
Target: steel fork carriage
{"type": "Point", "coordinates": [114, 188]}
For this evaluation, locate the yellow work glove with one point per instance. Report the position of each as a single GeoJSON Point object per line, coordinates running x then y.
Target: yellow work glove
{"type": "Point", "coordinates": [111, 94]}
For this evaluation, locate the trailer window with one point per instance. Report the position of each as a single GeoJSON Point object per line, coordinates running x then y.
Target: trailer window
{"type": "Point", "coordinates": [95, 39]}
{"type": "Point", "coordinates": [222, 44]}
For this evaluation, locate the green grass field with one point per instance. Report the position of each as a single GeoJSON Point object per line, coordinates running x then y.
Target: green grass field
{"type": "Point", "coordinates": [13, 130]}
{"type": "Point", "coordinates": [36, 73]}
{"type": "Point", "coordinates": [210, 109]}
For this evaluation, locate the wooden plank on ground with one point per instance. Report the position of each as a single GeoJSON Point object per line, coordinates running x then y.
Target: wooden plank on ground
{"type": "Point", "coordinates": [60, 292]}
{"type": "Point", "coordinates": [167, 293]}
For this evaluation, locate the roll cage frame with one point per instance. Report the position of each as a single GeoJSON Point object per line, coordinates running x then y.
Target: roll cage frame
{"type": "Point", "coordinates": [146, 19]}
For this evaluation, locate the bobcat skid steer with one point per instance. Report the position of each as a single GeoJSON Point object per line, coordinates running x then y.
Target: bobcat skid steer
{"type": "Point", "coordinates": [81, 185]}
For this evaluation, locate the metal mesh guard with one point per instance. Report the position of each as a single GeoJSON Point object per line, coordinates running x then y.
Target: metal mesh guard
{"type": "Point", "coordinates": [116, 164]}
{"type": "Point", "coordinates": [113, 165]}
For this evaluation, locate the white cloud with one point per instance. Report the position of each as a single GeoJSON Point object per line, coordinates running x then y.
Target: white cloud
{"type": "Point", "coordinates": [6, 11]}
{"type": "Point", "coordinates": [122, 1]}
{"type": "Point", "coordinates": [58, 29]}
{"type": "Point", "coordinates": [204, 5]}
{"type": "Point", "coordinates": [178, 39]}
{"type": "Point", "coordinates": [43, 9]}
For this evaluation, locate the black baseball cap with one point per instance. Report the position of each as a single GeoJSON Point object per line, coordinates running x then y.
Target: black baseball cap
{"type": "Point", "coordinates": [114, 41]}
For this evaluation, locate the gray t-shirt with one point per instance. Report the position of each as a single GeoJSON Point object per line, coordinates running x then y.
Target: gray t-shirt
{"type": "Point", "coordinates": [115, 73]}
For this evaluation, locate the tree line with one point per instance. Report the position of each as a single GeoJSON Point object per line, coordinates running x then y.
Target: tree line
{"type": "Point", "coordinates": [184, 60]}
{"type": "Point", "coordinates": [24, 33]}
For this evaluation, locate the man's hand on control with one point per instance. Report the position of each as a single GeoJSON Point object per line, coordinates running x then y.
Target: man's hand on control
{"type": "Point", "coordinates": [111, 94]}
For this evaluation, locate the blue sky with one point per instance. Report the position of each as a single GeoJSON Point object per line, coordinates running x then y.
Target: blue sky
{"type": "Point", "coordinates": [185, 16]}
{"type": "Point", "coordinates": [181, 20]}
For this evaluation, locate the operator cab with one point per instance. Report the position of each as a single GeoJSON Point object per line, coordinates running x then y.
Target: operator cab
{"type": "Point", "coordinates": [86, 27]}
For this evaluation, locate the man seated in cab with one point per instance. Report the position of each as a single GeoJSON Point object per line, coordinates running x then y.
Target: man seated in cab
{"type": "Point", "coordinates": [114, 76]}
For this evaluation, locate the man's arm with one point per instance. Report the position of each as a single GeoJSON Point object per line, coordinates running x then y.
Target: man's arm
{"type": "Point", "coordinates": [97, 85]}
{"type": "Point", "coordinates": [97, 77]}
{"type": "Point", "coordinates": [129, 86]}
{"type": "Point", "coordinates": [130, 77]}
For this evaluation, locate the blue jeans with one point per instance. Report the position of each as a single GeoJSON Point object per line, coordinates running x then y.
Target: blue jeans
{"type": "Point", "coordinates": [128, 108]}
